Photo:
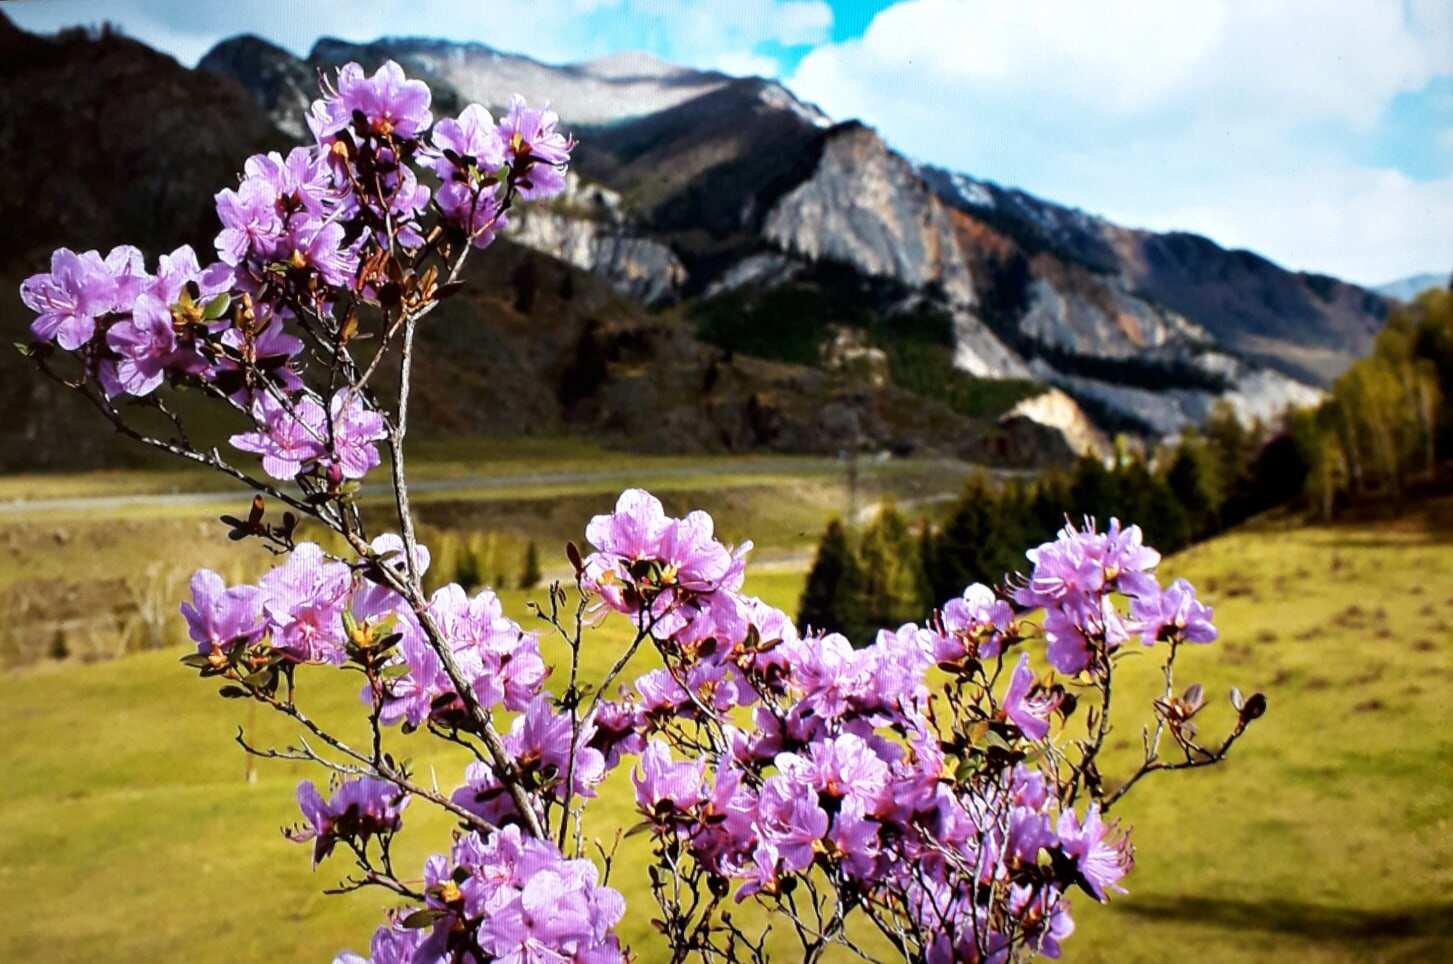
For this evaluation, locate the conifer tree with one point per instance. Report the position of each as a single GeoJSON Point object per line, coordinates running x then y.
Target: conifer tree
{"type": "Point", "coordinates": [530, 575]}
{"type": "Point", "coordinates": [823, 597]}
{"type": "Point", "coordinates": [887, 589]}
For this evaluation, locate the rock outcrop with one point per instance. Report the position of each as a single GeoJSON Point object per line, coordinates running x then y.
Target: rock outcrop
{"type": "Point", "coordinates": [866, 206]}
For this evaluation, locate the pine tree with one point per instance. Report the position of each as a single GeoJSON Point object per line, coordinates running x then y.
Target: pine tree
{"type": "Point", "coordinates": [832, 570]}
{"type": "Point", "coordinates": [1192, 476]}
{"type": "Point", "coordinates": [1094, 490]}
{"type": "Point", "coordinates": [887, 591]}
{"type": "Point", "coordinates": [958, 551]}
{"type": "Point", "coordinates": [469, 569]}
{"type": "Point", "coordinates": [530, 575]}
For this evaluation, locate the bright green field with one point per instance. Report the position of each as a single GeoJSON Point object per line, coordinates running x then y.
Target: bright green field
{"type": "Point", "coordinates": [132, 834]}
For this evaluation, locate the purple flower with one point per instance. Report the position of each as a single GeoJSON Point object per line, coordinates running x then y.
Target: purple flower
{"type": "Point", "coordinates": [663, 786]}
{"type": "Point", "coordinates": [146, 342]}
{"type": "Point", "coordinates": [633, 531]}
{"type": "Point", "coordinates": [475, 211]}
{"type": "Point", "coordinates": [250, 222]}
{"type": "Point", "coordinates": [973, 625]}
{"type": "Point", "coordinates": [1173, 615]}
{"type": "Point", "coordinates": [128, 269]}
{"type": "Point", "coordinates": [1079, 627]}
{"type": "Point", "coordinates": [830, 674]}
{"type": "Point", "coordinates": [355, 429]}
{"type": "Point", "coordinates": [1026, 705]}
{"type": "Point", "coordinates": [539, 741]}
{"type": "Point", "coordinates": [495, 656]}
{"type": "Point", "coordinates": [178, 269]}
{"type": "Point", "coordinates": [618, 727]}
{"type": "Point", "coordinates": [287, 438]}
{"type": "Point", "coordinates": [521, 901]}
{"type": "Point", "coordinates": [391, 944]}
{"type": "Point", "coordinates": [535, 149]}
{"type": "Point", "coordinates": [1044, 917]}
{"type": "Point", "coordinates": [390, 102]}
{"type": "Point", "coordinates": [301, 181]}
{"type": "Point", "coordinates": [484, 795]}
{"type": "Point", "coordinates": [792, 821]}
{"type": "Point", "coordinates": [219, 617]}
{"type": "Point", "coordinates": [853, 840]}
{"type": "Point", "coordinates": [897, 662]}
{"type": "Point", "coordinates": [1083, 562]}
{"type": "Point", "coordinates": [841, 768]}
{"type": "Point", "coordinates": [78, 289]}
{"type": "Point", "coordinates": [361, 808]}
{"type": "Point", "coordinates": [1028, 834]}
{"type": "Point", "coordinates": [674, 568]}
{"type": "Point", "coordinates": [304, 600]}
{"type": "Point", "coordinates": [473, 139]}
{"type": "Point", "coordinates": [1100, 860]}
{"type": "Point", "coordinates": [318, 245]}
{"type": "Point", "coordinates": [331, 113]}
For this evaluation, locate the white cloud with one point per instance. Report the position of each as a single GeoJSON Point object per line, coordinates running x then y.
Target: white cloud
{"type": "Point", "coordinates": [747, 65]}
{"type": "Point", "coordinates": [1225, 117]}
{"type": "Point", "coordinates": [700, 34]}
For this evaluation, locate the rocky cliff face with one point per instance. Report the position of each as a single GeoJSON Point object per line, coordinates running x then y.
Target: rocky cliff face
{"type": "Point", "coordinates": [587, 227]}
{"type": "Point", "coordinates": [1055, 410]}
{"type": "Point", "coordinates": [1170, 288]}
{"type": "Point", "coordinates": [867, 207]}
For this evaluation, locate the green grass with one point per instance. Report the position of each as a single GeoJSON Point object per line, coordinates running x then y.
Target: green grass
{"type": "Point", "coordinates": [134, 836]}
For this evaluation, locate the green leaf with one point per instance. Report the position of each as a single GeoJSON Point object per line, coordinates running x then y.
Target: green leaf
{"type": "Point", "coordinates": [196, 661]}
{"type": "Point", "coordinates": [217, 307]}
{"type": "Point", "coordinates": [233, 693]}
{"type": "Point", "coordinates": [641, 827]}
{"type": "Point", "coordinates": [420, 919]}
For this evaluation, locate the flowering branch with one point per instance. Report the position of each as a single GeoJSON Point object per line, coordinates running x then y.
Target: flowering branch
{"type": "Point", "coordinates": [924, 786]}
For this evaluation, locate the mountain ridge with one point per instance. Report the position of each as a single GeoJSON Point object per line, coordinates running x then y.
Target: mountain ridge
{"type": "Point", "coordinates": [740, 179]}
{"type": "Point", "coordinates": [706, 191]}
{"type": "Point", "coordinates": [532, 345]}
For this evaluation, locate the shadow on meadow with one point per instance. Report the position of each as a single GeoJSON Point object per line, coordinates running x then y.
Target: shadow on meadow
{"type": "Point", "coordinates": [1317, 922]}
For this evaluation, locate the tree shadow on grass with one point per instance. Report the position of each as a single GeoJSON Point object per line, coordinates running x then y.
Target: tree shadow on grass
{"type": "Point", "coordinates": [1317, 922]}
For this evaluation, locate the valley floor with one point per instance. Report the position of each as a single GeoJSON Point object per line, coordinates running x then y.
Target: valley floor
{"type": "Point", "coordinates": [134, 833]}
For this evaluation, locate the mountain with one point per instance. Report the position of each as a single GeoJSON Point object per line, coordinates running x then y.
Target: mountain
{"type": "Point", "coordinates": [598, 91]}
{"type": "Point", "coordinates": [1406, 289]}
{"type": "Point", "coordinates": [785, 267]}
{"type": "Point", "coordinates": [698, 190]}
{"type": "Point", "coordinates": [122, 144]}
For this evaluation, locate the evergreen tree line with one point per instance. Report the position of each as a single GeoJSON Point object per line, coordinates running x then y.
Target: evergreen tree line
{"type": "Point", "coordinates": [895, 571]}
{"type": "Point", "coordinates": [1388, 421]}
{"type": "Point", "coordinates": [1386, 424]}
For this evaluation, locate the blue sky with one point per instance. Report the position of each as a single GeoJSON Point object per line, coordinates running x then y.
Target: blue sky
{"type": "Point", "coordinates": [1319, 134]}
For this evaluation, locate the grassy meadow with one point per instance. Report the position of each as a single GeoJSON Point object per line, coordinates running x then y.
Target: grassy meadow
{"type": "Point", "coordinates": [137, 832]}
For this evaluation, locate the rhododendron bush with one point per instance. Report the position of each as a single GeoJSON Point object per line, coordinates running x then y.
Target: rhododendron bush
{"type": "Point", "coordinates": [940, 787]}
